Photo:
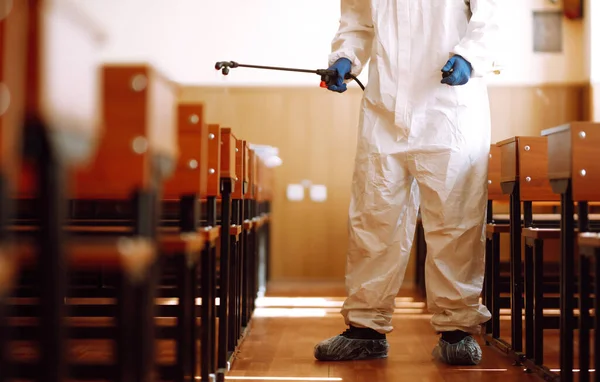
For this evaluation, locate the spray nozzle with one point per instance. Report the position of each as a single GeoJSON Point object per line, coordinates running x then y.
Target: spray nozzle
{"type": "Point", "coordinates": [224, 66]}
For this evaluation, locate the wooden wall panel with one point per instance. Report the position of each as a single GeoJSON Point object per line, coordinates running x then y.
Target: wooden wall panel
{"type": "Point", "coordinates": [529, 110]}
{"type": "Point", "coordinates": [315, 131]}
{"type": "Point", "coordinates": [593, 102]}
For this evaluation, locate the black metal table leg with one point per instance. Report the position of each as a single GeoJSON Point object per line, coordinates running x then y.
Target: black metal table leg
{"type": "Point", "coordinates": [189, 213]}
{"type": "Point", "coordinates": [194, 272]}
{"type": "Point", "coordinates": [487, 288]}
{"type": "Point", "coordinates": [6, 213]}
{"type": "Point", "coordinates": [584, 298]}
{"type": "Point", "coordinates": [487, 285]}
{"type": "Point", "coordinates": [529, 300]}
{"type": "Point", "coordinates": [516, 282]}
{"type": "Point", "coordinates": [583, 221]}
{"type": "Point", "coordinates": [213, 309]}
{"type": "Point", "coordinates": [529, 318]}
{"type": "Point", "coordinates": [187, 270]}
{"type": "Point", "coordinates": [584, 319]}
{"type": "Point", "coordinates": [205, 348]}
{"type": "Point", "coordinates": [527, 214]}
{"type": "Point", "coordinates": [240, 271]}
{"type": "Point", "coordinates": [247, 284]}
{"type": "Point", "coordinates": [235, 276]}
{"type": "Point", "coordinates": [567, 288]}
{"type": "Point", "coordinates": [145, 225]}
{"type": "Point", "coordinates": [538, 302]}
{"type": "Point", "coordinates": [208, 280]}
{"type": "Point", "coordinates": [268, 242]}
{"type": "Point", "coordinates": [125, 323]}
{"type": "Point", "coordinates": [255, 260]}
{"type": "Point", "coordinates": [254, 268]}
{"type": "Point", "coordinates": [496, 285]}
{"type": "Point", "coordinates": [233, 285]}
{"type": "Point", "coordinates": [224, 277]}
{"type": "Point", "coordinates": [185, 313]}
{"type": "Point", "coordinates": [52, 268]}
{"type": "Point", "coordinates": [241, 277]}
{"type": "Point", "coordinates": [596, 261]}
{"type": "Point", "coordinates": [148, 323]}
{"type": "Point", "coordinates": [207, 330]}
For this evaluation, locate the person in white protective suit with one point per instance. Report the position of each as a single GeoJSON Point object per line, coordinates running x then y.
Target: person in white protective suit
{"type": "Point", "coordinates": [423, 141]}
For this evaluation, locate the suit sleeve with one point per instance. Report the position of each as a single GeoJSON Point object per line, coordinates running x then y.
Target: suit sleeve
{"type": "Point", "coordinates": [480, 46]}
{"type": "Point", "coordinates": [354, 37]}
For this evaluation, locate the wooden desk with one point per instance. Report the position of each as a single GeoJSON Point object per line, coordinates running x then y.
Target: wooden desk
{"type": "Point", "coordinates": [574, 174]}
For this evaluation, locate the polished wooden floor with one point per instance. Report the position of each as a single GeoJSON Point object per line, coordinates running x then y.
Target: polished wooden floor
{"type": "Point", "coordinates": [293, 317]}
{"type": "Point", "coordinates": [286, 328]}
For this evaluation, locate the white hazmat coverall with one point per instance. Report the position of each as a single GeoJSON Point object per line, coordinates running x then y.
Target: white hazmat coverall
{"type": "Point", "coordinates": [420, 143]}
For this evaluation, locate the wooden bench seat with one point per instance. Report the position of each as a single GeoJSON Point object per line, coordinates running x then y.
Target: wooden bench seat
{"type": "Point", "coordinates": [134, 254]}
{"type": "Point", "coordinates": [574, 176]}
{"type": "Point", "coordinates": [497, 228]}
{"type": "Point", "coordinates": [235, 230]}
{"type": "Point", "coordinates": [523, 176]}
{"type": "Point", "coordinates": [95, 360]}
{"type": "Point", "coordinates": [171, 240]}
{"type": "Point", "coordinates": [50, 70]}
{"type": "Point", "coordinates": [547, 217]}
{"type": "Point", "coordinates": [125, 141]}
{"type": "Point", "coordinates": [589, 239]}
{"type": "Point", "coordinates": [133, 153]}
{"type": "Point", "coordinates": [493, 228]}
{"type": "Point", "coordinates": [541, 233]}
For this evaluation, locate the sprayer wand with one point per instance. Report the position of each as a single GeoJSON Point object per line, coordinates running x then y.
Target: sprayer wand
{"type": "Point", "coordinates": [327, 76]}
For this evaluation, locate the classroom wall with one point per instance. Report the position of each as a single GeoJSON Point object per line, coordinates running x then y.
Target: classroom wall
{"type": "Point", "coordinates": [316, 134]}
{"type": "Point", "coordinates": [186, 37]}
{"type": "Point", "coordinates": [592, 51]}
{"type": "Point", "coordinates": [315, 130]}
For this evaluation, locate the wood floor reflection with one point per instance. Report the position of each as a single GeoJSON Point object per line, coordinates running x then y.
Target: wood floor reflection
{"type": "Point", "coordinates": [281, 344]}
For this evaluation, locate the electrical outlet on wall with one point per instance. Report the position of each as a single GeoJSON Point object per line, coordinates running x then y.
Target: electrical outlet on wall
{"type": "Point", "coordinates": [318, 193]}
{"type": "Point", "coordinates": [295, 192]}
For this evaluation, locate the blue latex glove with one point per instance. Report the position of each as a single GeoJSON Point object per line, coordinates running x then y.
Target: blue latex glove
{"type": "Point", "coordinates": [343, 67]}
{"type": "Point", "coordinates": [461, 71]}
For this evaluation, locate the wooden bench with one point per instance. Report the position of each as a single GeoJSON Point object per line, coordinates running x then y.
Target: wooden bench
{"type": "Point", "coordinates": [137, 152]}
{"type": "Point", "coordinates": [11, 121]}
{"type": "Point", "coordinates": [509, 182]}
{"type": "Point", "coordinates": [102, 214]}
{"type": "Point", "coordinates": [571, 170]}
{"type": "Point", "coordinates": [250, 287]}
{"type": "Point", "coordinates": [223, 185]}
{"type": "Point", "coordinates": [53, 114]}
{"type": "Point", "coordinates": [190, 186]}
{"type": "Point", "coordinates": [527, 160]}
{"type": "Point", "coordinates": [177, 246]}
{"type": "Point", "coordinates": [228, 182]}
{"type": "Point", "coordinates": [266, 201]}
{"type": "Point", "coordinates": [589, 249]}
{"type": "Point", "coordinates": [589, 244]}
{"type": "Point", "coordinates": [237, 253]}
{"type": "Point", "coordinates": [524, 168]}
{"type": "Point", "coordinates": [264, 192]}
{"type": "Point", "coordinates": [491, 289]}
{"type": "Point", "coordinates": [95, 181]}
